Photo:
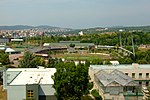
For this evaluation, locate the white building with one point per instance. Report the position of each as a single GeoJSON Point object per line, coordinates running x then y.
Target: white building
{"type": "Point", "coordinates": [29, 83]}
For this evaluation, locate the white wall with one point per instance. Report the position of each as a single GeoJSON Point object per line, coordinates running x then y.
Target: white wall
{"type": "Point", "coordinates": [16, 92]}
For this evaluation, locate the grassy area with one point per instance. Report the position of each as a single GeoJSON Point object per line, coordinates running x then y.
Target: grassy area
{"type": "Point", "coordinates": [82, 56]}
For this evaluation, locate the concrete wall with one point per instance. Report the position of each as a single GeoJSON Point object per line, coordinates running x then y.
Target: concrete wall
{"type": "Point", "coordinates": [46, 90]}
{"type": "Point", "coordinates": [16, 92]}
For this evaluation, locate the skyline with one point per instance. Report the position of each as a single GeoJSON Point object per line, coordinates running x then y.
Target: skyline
{"type": "Point", "coordinates": [75, 13]}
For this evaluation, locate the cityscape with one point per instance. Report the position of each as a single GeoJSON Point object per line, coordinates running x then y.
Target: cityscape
{"type": "Point", "coordinates": [74, 50]}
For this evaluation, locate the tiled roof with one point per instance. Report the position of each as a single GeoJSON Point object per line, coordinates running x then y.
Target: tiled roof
{"type": "Point", "coordinates": [115, 76]}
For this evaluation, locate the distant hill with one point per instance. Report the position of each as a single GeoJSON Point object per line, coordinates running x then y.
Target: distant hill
{"type": "Point", "coordinates": [16, 27]}
{"type": "Point", "coordinates": [132, 28]}
{"type": "Point", "coordinates": [69, 30]}
{"type": "Point", "coordinates": [23, 27]}
{"type": "Point", "coordinates": [116, 29]}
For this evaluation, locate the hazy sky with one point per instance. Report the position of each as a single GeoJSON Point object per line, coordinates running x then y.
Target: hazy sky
{"type": "Point", "coordinates": [75, 13]}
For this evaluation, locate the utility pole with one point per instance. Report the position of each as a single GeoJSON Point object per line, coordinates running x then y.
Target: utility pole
{"type": "Point", "coordinates": [42, 39]}
{"type": "Point", "coordinates": [120, 31]}
{"type": "Point", "coordinates": [27, 40]}
{"type": "Point", "coordinates": [133, 45]}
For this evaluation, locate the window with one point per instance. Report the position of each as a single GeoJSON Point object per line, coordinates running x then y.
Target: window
{"type": "Point", "coordinates": [30, 94]}
{"type": "Point", "coordinates": [147, 75]}
{"type": "Point", "coordinates": [133, 75]}
{"type": "Point", "coordinates": [140, 83]}
{"type": "Point", "coordinates": [147, 83]}
{"type": "Point", "coordinates": [140, 75]}
{"type": "Point", "coordinates": [126, 73]}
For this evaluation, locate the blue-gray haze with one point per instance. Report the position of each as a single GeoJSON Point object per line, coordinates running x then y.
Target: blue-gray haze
{"type": "Point", "coordinates": [75, 13]}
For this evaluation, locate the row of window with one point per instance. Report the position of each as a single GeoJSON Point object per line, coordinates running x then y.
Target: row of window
{"type": "Point", "coordinates": [146, 83]}
{"type": "Point", "coordinates": [140, 75]}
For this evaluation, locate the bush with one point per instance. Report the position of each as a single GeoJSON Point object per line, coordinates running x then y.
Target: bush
{"type": "Point", "coordinates": [86, 98]}
{"type": "Point", "coordinates": [90, 85]}
{"type": "Point", "coordinates": [96, 94]}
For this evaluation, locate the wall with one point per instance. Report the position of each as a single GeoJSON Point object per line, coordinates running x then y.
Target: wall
{"type": "Point", "coordinates": [46, 89]}
{"type": "Point", "coordinates": [8, 77]}
{"type": "Point", "coordinates": [46, 92]}
{"type": "Point", "coordinates": [16, 92]}
{"type": "Point", "coordinates": [35, 88]}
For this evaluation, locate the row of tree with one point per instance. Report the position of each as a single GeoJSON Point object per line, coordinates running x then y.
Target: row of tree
{"type": "Point", "coordinates": [99, 39]}
{"type": "Point", "coordinates": [32, 61]}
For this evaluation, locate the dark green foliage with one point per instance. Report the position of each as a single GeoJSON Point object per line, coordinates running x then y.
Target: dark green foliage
{"type": "Point", "coordinates": [39, 61]}
{"type": "Point", "coordinates": [52, 61]}
{"type": "Point", "coordinates": [126, 60]}
{"type": "Point", "coordinates": [100, 39]}
{"type": "Point", "coordinates": [31, 61]}
{"type": "Point", "coordinates": [70, 81]}
{"type": "Point", "coordinates": [86, 98]}
{"type": "Point", "coordinates": [72, 45]}
{"type": "Point", "coordinates": [143, 57]}
{"type": "Point", "coordinates": [28, 60]}
{"type": "Point", "coordinates": [4, 58]}
{"type": "Point", "coordinates": [90, 85]}
{"type": "Point", "coordinates": [96, 95]}
{"type": "Point", "coordinates": [97, 62]}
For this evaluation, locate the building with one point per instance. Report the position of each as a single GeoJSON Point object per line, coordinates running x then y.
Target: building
{"type": "Point", "coordinates": [29, 83]}
{"type": "Point", "coordinates": [115, 85]}
{"type": "Point", "coordinates": [147, 46]}
{"type": "Point", "coordinates": [139, 73]}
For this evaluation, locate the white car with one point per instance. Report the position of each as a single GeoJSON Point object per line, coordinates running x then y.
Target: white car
{"type": "Point", "coordinates": [145, 90]}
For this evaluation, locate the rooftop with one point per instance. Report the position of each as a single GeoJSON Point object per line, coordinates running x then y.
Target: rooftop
{"type": "Point", "coordinates": [122, 66]}
{"type": "Point", "coordinates": [33, 76]}
{"type": "Point", "coordinates": [115, 76]}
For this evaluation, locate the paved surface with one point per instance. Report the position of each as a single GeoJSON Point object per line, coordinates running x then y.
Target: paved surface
{"type": "Point", "coordinates": [12, 58]}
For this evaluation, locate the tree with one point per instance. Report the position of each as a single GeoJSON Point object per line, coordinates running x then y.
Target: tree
{"type": "Point", "coordinates": [39, 61]}
{"type": "Point", "coordinates": [4, 58]}
{"type": "Point", "coordinates": [52, 61]}
{"type": "Point", "coordinates": [72, 45]}
{"type": "Point", "coordinates": [70, 81]}
{"type": "Point", "coordinates": [125, 61]}
{"type": "Point", "coordinates": [96, 95]}
{"type": "Point", "coordinates": [28, 60]}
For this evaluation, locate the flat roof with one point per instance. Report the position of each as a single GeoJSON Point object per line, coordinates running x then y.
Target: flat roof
{"type": "Point", "coordinates": [19, 40]}
{"type": "Point", "coordinates": [33, 76]}
{"type": "Point", "coordinates": [122, 66]}
{"type": "Point", "coordinates": [65, 44]}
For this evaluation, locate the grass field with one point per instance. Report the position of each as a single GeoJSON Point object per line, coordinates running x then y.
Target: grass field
{"type": "Point", "coordinates": [82, 56]}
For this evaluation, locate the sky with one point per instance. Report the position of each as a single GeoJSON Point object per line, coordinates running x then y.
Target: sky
{"type": "Point", "coordinates": [75, 13]}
